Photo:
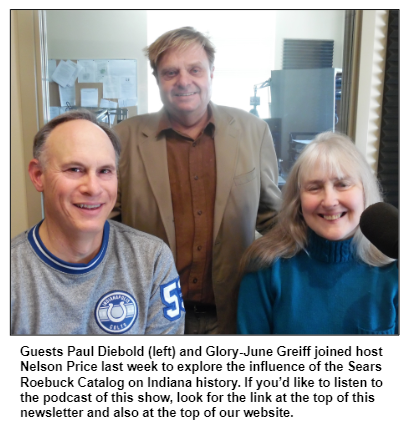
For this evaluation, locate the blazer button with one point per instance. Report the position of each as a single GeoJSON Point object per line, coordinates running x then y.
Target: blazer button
{"type": "Point", "coordinates": [194, 280]}
{"type": "Point", "coordinates": [199, 212]}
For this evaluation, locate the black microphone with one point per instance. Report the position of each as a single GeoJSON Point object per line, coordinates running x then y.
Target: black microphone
{"type": "Point", "coordinates": [380, 225]}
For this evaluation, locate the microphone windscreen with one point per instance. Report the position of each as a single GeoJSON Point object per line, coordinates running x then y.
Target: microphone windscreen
{"type": "Point", "coordinates": [380, 225]}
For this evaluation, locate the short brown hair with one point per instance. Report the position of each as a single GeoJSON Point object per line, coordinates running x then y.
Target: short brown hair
{"type": "Point", "coordinates": [179, 38]}
{"type": "Point", "coordinates": [42, 135]}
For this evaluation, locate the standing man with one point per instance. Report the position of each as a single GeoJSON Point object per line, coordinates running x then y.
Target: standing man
{"type": "Point", "coordinates": [75, 272]}
{"type": "Point", "coordinates": [199, 176]}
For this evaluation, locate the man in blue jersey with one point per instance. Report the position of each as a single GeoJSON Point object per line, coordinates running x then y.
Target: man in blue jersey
{"type": "Point", "coordinates": [75, 272]}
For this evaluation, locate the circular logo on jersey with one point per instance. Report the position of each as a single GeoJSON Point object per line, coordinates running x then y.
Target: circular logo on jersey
{"type": "Point", "coordinates": [116, 312]}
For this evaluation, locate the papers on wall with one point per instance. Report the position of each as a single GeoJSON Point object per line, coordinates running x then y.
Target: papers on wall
{"type": "Point", "coordinates": [88, 71]}
{"type": "Point", "coordinates": [67, 96]}
{"type": "Point", "coordinates": [124, 103]}
{"type": "Point", "coordinates": [128, 87]}
{"type": "Point", "coordinates": [65, 73]}
{"type": "Point", "coordinates": [108, 104]}
{"type": "Point", "coordinates": [119, 76]}
{"type": "Point", "coordinates": [102, 69]}
{"type": "Point", "coordinates": [123, 67]}
{"type": "Point", "coordinates": [74, 75]}
{"type": "Point", "coordinates": [111, 87]}
{"type": "Point", "coordinates": [89, 97]}
{"type": "Point", "coordinates": [118, 79]}
{"type": "Point", "coordinates": [55, 111]}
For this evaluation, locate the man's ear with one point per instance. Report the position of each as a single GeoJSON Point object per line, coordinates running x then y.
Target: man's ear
{"type": "Point", "coordinates": [212, 72]}
{"type": "Point", "coordinates": [35, 171]}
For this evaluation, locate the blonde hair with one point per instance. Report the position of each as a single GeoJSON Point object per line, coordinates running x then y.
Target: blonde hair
{"type": "Point", "coordinates": [337, 155]}
{"type": "Point", "coordinates": [179, 38]}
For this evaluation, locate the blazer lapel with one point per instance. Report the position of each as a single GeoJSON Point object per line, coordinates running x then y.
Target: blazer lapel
{"type": "Point", "coordinates": [226, 150]}
{"type": "Point", "coordinates": [154, 157]}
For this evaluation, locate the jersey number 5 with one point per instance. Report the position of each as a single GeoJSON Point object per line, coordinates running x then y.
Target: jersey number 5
{"type": "Point", "coordinates": [171, 296]}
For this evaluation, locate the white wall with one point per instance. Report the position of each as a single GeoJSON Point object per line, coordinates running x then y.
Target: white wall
{"type": "Point", "coordinates": [310, 24]}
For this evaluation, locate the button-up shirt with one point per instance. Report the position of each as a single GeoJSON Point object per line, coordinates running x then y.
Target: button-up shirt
{"type": "Point", "coordinates": [192, 177]}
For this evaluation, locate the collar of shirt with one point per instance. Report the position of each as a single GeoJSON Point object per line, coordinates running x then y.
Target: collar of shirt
{"type": "Point", "coordinates": [165, 124]}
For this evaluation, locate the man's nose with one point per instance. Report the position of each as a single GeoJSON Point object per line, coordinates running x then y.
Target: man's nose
{"type": "Point", "coordinates": [91, 184]}
{"type": "Point", "coordinates": [184, 78]}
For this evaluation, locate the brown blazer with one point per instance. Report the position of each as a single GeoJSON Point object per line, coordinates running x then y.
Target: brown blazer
{"type": "Point", "coordinates": [247, 196]}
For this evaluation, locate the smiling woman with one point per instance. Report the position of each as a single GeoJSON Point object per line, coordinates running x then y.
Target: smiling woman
{"type": "Point", "coordinates": [315, 272]}
{"type": "Point", "coordinates": [331, 190]}
{"type": "Point", "coordinates": [332, 206]}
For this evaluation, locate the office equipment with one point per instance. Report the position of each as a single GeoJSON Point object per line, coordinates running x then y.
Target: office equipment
{"type": "Point", "coordinates": [305, 100]}
{"type": "Point", "coordinates": [103, 114]}
{"type": "Point", "coordinates": [297, 143]}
